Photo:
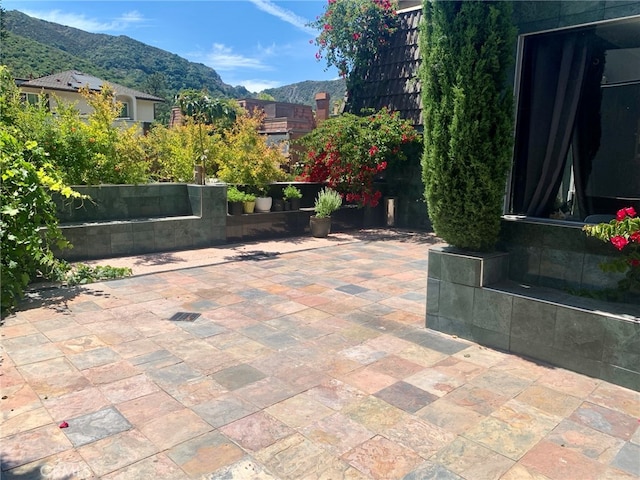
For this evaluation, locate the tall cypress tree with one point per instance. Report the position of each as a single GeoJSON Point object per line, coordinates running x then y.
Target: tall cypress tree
{"type": "Point", "coordinates": [467, 48]}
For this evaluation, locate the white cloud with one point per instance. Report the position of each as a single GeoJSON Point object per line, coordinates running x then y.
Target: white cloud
{"type": "Point", "coordinates": [256, 85]}
{"type": "Point", "coordinates": [82, 22]}
{"type": "Point", "coordinates": [222, 58]}
{"type": "Point", "coordinates": [284, 15]}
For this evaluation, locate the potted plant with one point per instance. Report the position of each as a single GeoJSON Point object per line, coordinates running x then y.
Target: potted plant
{"type": "Point", "coordinates": [249, 203]}
{"type": "Point", "coordinates": [263, 200]}
{"type": "Point", "coordinates": [292, 194]}
{"type": "Point", "coordinates": [235, 199]}
{"type": "Point", "coordinates": [327, 202]}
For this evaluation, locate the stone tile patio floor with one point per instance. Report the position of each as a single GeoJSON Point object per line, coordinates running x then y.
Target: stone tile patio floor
{"type": "Point", "coordinates": [307, 360]}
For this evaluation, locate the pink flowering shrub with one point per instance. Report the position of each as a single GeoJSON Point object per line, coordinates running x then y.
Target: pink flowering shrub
{"type": "Point", "coordinates": [624, 234]}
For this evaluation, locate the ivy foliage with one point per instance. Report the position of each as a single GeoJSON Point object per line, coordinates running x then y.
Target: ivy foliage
{"type": "Point", "coordinates": [466, 48]}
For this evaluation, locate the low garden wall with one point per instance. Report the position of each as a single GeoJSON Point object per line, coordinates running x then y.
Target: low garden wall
{"type": "Point", "coordinates": [121, 220]}
{"type": "Point", "coordinates": [517, 300]}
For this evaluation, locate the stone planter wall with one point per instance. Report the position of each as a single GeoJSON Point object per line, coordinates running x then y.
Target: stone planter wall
{"type": "Point", "coordinates": [472, 297]}
{"type": "Point", "coordinates": [134, 219]}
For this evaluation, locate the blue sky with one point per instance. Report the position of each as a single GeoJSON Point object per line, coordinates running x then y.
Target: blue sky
{"type": "Point", "coordinates": [256, 43]}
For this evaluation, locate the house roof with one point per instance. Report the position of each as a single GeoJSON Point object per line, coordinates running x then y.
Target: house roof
{"type": "Point", "coordinates": [393, 80]}
{"type": "Point", "coordinates": [72, 81]}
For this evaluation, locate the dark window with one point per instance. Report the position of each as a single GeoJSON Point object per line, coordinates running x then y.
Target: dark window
{"type": "Point", "coordinates": [578, 123]}
{"type": "Point", "coordinates": [35, 99]}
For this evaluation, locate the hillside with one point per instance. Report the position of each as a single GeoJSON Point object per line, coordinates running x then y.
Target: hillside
{"type": "Point", "coordinates": [36, 47]}
{"type": "Point", "coordinates": [305, 92]}
{"type": "Point", "coordinates": [33, 47]}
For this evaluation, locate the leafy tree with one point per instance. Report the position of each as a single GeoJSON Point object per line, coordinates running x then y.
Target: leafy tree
{"type": "Point", "coordinates": [466, 49]}
{"type": "Point", "coordinates": [265, 96]}
{"type": "Point", "coordinates": [245, 158]}
{"type": "Point", "coordinates": [204, 110]}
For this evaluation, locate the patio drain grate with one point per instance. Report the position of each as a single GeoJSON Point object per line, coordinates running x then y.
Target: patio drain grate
{"type": "Point", "coordinates": [184, 317]}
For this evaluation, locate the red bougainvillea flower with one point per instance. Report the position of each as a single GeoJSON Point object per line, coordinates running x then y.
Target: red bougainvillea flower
{"type": "Point", "coordinates": [625, 212]}
{"type": "Point", "coordinates": [619, 242]}
{"type": "Point", "coordinates": [634, 262]}
{"type": "Point", "coordinates": [64, 425]}
{"type": "Point", "coordinates": [356, 36]}
{"type": "Point", "coordinates": [373, 150]}
{"type": "Point", "coordinates": [635, 237]}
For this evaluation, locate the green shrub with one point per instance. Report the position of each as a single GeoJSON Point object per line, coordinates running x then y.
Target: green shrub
{"type": "Point", "coordinates": [327, 202]}
{"type": "Point", "coordinates": [291, 191]}
{"type": "Point", "coordinates": [466, 49]}
{"type": "Point", "coordinates": [28, 222]}
{"type": "Point", "coordinates": [244, 157]}
{"type": "Point", "coordinates": [234, 194]}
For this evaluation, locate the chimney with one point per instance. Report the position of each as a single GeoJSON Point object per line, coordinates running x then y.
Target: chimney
{"type": "Point", "coordinates": [322, 107]}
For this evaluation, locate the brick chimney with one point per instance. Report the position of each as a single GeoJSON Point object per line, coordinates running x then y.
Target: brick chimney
{"type": "Point", "coordinates": [322, 107]}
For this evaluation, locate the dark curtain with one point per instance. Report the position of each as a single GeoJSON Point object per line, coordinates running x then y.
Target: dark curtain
{"type": "Point", "coordinates": [554, 73]}
{"type": "Point", "coordinates": [588, 129]}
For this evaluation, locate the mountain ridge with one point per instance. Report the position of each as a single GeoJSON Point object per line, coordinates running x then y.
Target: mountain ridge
{"type": "Point", "coordinates": [34, 48]}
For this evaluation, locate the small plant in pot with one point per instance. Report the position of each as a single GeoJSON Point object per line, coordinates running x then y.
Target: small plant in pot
{"type": "Point", "coordinates": [235, 199]}
{"type": "Point", "coordinates": [249, 203]}
{"type": "Point", "coordinates": [327, 202]}
{"type": "Point", "coordinates": [292, 194]}
{"type": "Point", "coordinates": [263, 200]}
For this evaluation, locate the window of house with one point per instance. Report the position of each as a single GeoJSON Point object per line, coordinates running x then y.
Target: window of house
{"type": "Point", "coordinates": [124, 112]}
{"type": "Point", "coordinates": [34, 99]}
{"type": "Point", "coordinates": [577, 147]}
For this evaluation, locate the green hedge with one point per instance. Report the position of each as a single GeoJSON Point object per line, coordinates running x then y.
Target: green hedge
{"type": "Point", "coordinates": [467, 48]}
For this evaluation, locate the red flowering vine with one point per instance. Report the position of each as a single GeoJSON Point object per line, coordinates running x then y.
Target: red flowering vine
{"type": "Point", "coordinates": [349, 152]}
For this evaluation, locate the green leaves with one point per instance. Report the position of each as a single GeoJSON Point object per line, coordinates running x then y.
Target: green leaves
{"type": "Point", "coordinates": [466, 49]}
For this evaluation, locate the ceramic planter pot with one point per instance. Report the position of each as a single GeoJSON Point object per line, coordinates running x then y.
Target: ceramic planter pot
{"type": "Point", "coordinates": [320, 226]}
{"type": "Point", "coordinates": [263, 204]}
{"type": "Point", "coordinates": [248, 207]}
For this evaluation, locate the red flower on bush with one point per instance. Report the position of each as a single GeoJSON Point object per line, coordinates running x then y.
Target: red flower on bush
{"type": "Point", "coordinates": [624, 213]}
{"type": "Point", "coordinates": [635, 237]}
{"type": "Point", "coordinates": [619, 242]}
{"type": "Point", "coordinates": [349, 152]}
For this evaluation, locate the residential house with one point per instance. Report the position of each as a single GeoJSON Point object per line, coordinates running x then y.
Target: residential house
{"type": "Point", "coordinates": [137, 107]}
{"type": "Point", "coordinates": [286, 122]}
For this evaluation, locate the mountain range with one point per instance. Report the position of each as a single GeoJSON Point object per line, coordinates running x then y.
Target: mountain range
{"type": "Point", "coordinates": [33, 48]}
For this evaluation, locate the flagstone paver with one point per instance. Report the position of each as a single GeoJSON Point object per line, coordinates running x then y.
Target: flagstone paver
{"type": "Point", "coordinates": [308, 359]}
